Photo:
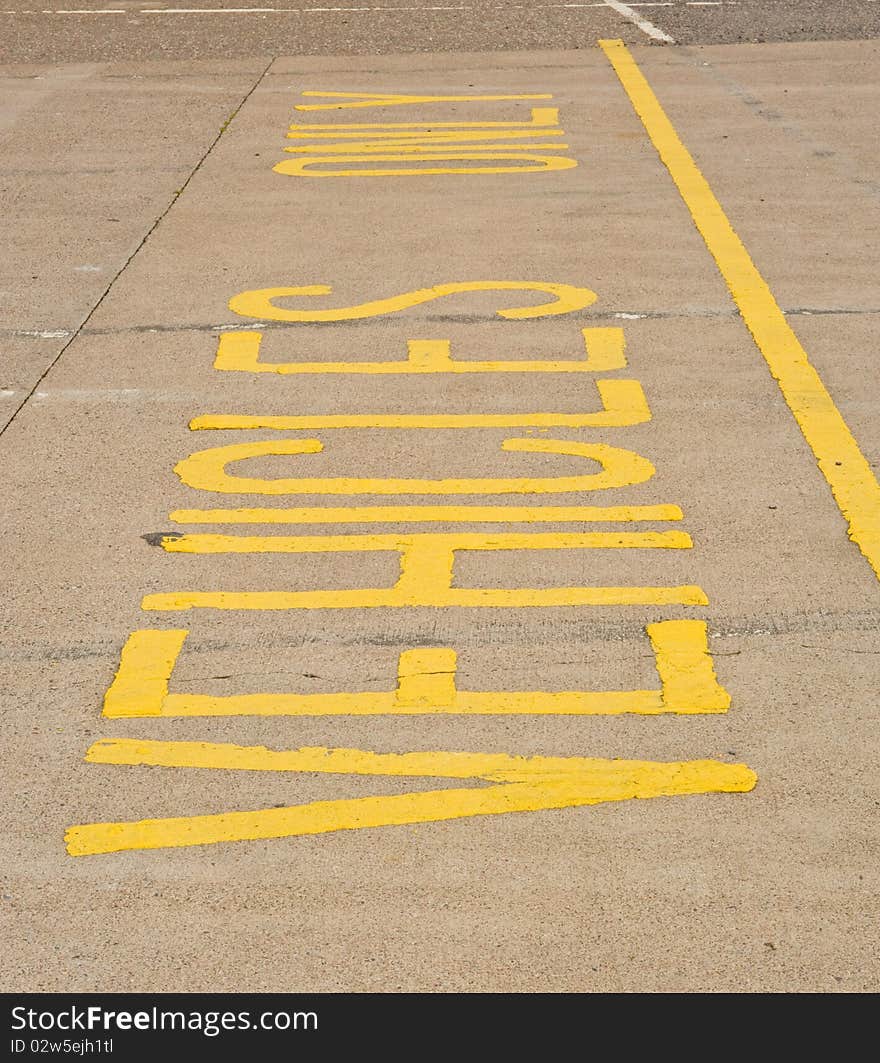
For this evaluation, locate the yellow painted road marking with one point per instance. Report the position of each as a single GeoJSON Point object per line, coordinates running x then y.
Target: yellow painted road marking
{"type": "Point", "coordinates": [347, 100]}
{"type": "Point", "coordinates": [205, 470]}
{"type": "Point", "coordinates": [409, 139]}
{"type": "Point", "coordinates": [521, 785]}
{"type": "Point", "coordinates": [145, 666]}
{"type": "Point", "coordinates": [425, 541]}
{"type": "Point", "coordinates": [427, 135]}
{"type": "Point", "coordinates": [240, 352]}
{"type": "Point", "coordinates": [423, 514]}
{"type": "Point", "coordinates": [415, 146]}
{"type": "Point", "coordinates": [425, 685]}
{"type": "Point", "coordinates": [426, 573]}
{"type": "Point", "coordinates": [366, 154]}
{"type": "Point", "coordinates": [304, 167]}
{"type": "Point", "coordinates": [258, 303]}
{"type": "Point", "coordinates": [853, 483]}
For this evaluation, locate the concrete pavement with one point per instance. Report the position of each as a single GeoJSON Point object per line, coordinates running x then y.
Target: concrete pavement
{"type": "Point", "coordinates": [728, 888]}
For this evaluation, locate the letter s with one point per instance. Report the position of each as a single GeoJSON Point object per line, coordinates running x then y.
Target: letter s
{"type": "Point", "coordinates": [258, 302]}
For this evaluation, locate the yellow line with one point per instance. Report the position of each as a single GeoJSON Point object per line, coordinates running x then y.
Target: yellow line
{"type": "Point", "coordinates": [396, 99]}
{"type": "Point", "coordinates": [432, 806]}
{"type": "Point", "coordinates": [843, 465]}
{"type": "Point", "coordinates": [427, 136]}
{"type": "Point", "coordinates": [321, 544]}
{"type": "Point", "coordinates": [447, 146]}
{"type": "Point", "coordinates": [521, 785]}
{"type": "Point", "coordinates": [489, 767]}
{"type": "Point", "coordinates": [425, 514]}
{"type": "Point", "coordinates": [541, 116]}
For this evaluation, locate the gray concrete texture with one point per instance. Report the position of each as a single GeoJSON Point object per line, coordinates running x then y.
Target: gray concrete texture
{"type": "Point", "coordinates": [772, 890]}
{"type": "Point", "coordinates": [86, 31]}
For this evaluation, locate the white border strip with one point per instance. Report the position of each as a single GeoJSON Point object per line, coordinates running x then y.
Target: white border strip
{"type": "Point", "coordinates": [644, 25]}
{"type": "Point", "coordinates": [623, 9]}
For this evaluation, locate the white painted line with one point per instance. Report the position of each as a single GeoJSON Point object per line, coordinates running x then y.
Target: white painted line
{"type": "Point", "coordinates": [286, 10]}
{"type": "Point", "coordinates": [346, 10]}
{"type": "Point", "coordinates": [648, 28]}
{"type": "Point", "coordinates": [44, 334]}
{"type": "Point", "coordinates": [299, 10]}
{"type": "Point", "coordinates": [626, 10]}
{"type": "Point", "coordinates": [245, 325]}
{"type": "Point", "coordinates": [292, 10]}
{"type": "Point", "coordinates": [211, 10]}
{"type": "Point", "coordinates": [88, 393]}
{"type": "Point", "coordinates": [311, 10]}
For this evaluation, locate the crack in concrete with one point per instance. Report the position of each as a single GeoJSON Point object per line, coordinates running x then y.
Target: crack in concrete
{"type": "Point", "coordinates": [178, 193]}
{"type": "Point", "coordinates": [457, 319]}
{"type": "Point", "coordinates": [583, 632]}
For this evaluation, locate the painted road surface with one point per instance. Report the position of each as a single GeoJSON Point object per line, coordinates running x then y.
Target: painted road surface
{"type": "Point", "coordinates": [444, 535]}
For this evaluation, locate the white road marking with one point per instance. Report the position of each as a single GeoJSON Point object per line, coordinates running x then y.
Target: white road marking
{"type": "Point", "coordinates": [214, 10]}
{"type": "Point", "coordinates": [648, 28]}
{"type": "Point", "coordinates": [626, 10]}
{"type": "Point", "coordinates": [88, 394]}
{"type": "Point", "coordinates": [45, 334]}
